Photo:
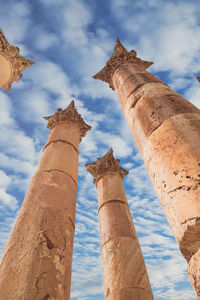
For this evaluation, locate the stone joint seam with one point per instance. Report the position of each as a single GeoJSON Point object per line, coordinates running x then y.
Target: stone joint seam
{"type": "Point", "coordinates": [111, 201]}
{"type": "Point", "coordinates": [61, 141]}
{"type": "Point", "coordinates": [134, 90]}
{"type": "Point", "coordinates": [160, 126]}
{"type": "Point", "coordinates": [134, 238]}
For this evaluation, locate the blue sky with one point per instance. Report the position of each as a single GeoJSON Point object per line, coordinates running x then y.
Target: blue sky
{"type": "Point", "coordinates": [71, 40]}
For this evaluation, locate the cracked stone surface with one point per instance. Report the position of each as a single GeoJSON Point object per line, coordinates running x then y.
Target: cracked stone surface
{"type": "Point", "coordinates": [124, 271]}
{"type": "Point", "coordinates": [166, 128]}
{"type": "Point", "coordinates": [37, 261]}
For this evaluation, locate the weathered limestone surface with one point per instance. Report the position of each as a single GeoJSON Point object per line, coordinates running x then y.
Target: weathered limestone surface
{"type": "Point", "coordinates": [36, 263]}
{"type": "Point", "coordinates": [166, 128]}
{"type": "Point", "coordinates": [124, 272]}
{"type": "Point", "coordinates": [12, 64]}
{"type": "Point", "coordinates": [194, 271]}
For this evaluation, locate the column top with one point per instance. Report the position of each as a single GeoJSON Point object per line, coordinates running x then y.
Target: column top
{"type": "Point", "coordinates": [120, 54]}
{"type": "Point", "coordinates": [18, 62]}
{"type": "Point", "coordinates": [106, 164]}
{"type": "Point", "coordinates": [68, 115]}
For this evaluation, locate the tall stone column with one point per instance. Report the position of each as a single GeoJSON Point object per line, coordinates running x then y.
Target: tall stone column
{"type": "Point", "coordinates": [124, 272]}
{"type": "Point", "coordinates": [166, 128]}
{"type": "Point", "coordinates": [36, 264]}
{"type": "Point", "coordinates": [12, 64]}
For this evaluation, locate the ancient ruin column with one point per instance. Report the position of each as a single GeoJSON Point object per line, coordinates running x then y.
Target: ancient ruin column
{"type": "Point", "coordinates": [166, 128]}
{"type": "Point", "coordinates": [124, 272]}
{"type": "Point", "coordinates": [36, 264]}
{"type": "Point", "coordinates": [12, 64]}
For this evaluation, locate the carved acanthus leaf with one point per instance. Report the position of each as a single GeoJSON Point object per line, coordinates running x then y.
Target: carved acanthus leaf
{"type": "Point", "coordinates": [120, 54]}
{"type": "Point", "coordinates": [18, 62]}
{"type": "Point", "coordinates": [68, 115]}
{"type": "Point", "coordinates": [106, 164]}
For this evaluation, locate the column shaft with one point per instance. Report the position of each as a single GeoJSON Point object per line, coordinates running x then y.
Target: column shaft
{"type": "Point", "coordinates": [124, 272]}
{"type": "Point", "coordinates": [37, 260]}
{"type": "Point", "coordinates": [166, 128]}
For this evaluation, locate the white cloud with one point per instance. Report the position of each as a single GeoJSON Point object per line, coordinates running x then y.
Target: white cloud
{"type": "Point", "coordinates": [50, 77]}
{"type": "Point", "coordinates": [15, 20]}
{"type": "Point", "coordinates": [18, 144]}
{"type": "Point", "coordinates": [5, 197]}
{"type": "Point", "coordinates": [193, 93]}
{"type": "Point", "coordinates": [44, 40]}
{"type": "Point", "coordinates": [76, 16]}
{"type": "Point", "coordinates": [8, 199]}
{"type": "Point", "coordinates": [35, 105]}
{"type": "Point", "coordinates": [5, 111]}
{"type": "Point", "coordinates": [173, 44]}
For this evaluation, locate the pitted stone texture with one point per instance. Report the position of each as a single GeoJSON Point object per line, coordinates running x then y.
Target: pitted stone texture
{"type": "Point", "coordinates": [110, 187]}
{"type": "Point", "coordinates": [115, 221]}
{"type": "Point", "coordinates": [37, 260]}
{"type": "Point", "coordinates": [194, 272]}
{"type": "Point", "coordinates": [60, 156]}
{"type": "Point", "coordinates": [64, 132]}
{"type": "Point", "coordinates": [150, 112]}
{"type": "Point", "coordinates": [172, 157]}
{"type": "Point", "coordinates": [120, 269]}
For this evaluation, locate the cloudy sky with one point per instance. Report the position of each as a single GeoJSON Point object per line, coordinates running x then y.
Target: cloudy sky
{"type": "Point", "coordinates": [71, 40]}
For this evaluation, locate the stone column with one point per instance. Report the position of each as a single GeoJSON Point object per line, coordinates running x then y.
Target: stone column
{"type": "Point", "coordinates": [166, 128]}
{"type": "Point", "coordinates": [12, 64]}
{"type": "Point", "coordinates": [124, 272]}
{"type": "Point", "coordinates": [37, 261]}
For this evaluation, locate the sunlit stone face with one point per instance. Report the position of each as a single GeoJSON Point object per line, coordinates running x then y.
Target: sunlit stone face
{"type": "Point", "coordinates": [5, 73]}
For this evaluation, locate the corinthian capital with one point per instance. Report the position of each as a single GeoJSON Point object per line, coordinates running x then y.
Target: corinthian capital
{"type": "Point", "coordinates": [120, 54]}
{"type": "Point", "coordinates": [106, 164]}
{"type": "Point", "coordinates": [68, 115]}
{"type": "Point", "coordinates": [17, 62]}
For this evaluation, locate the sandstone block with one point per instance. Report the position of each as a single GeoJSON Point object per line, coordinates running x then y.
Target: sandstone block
{"type": "Point", "coordinates": [42, 241]}
{"type": "Point", "coordinates": [64, 132]}
{"type": "Point", "coordinates": [110, 187]}
{"type": "Point", "coordinates": [60, 156]}
{"type": "Point", "coordinates": [120, 269]}
{"type": "Point", "coordinates": [115, 221]}
{"type": "Point", "coordinates": [172, 157]}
